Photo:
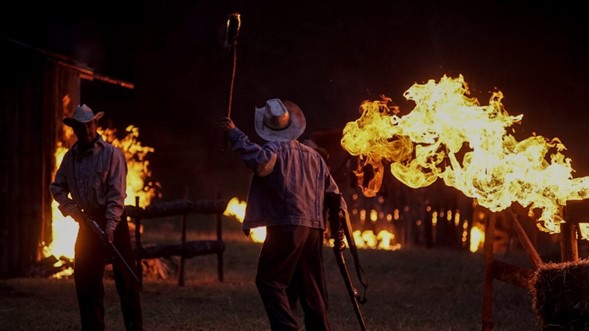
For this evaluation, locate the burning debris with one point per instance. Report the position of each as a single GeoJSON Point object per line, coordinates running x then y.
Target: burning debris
{"type": "Point", "coordinates": [52, 266]}
{"type": "Point", "coordinates": [160, 268]}
{"type": "Point", "coordinates": [561, 295]}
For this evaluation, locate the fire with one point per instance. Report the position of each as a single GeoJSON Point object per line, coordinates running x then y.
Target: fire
{"type": "Point", "coordinates": [365, 239]}
{"type": "Point", "coordinates": [138, 171]}
{"type": "Point", "coordinates": [382, 240]}
{"type": "Point", "coordinates": [477, 238]}
{"type": "Point", "coordinates": [65, 229]}
{"type": "Point", "coordinates": [449, 135]}
{"type": "Point", "coordinates": [236, 208]}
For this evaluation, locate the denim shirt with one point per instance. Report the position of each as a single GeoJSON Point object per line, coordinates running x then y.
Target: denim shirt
{"type": "Point", "coordinates": [288, 185]}
{"type": "Point", "coordinates": [95, 179]}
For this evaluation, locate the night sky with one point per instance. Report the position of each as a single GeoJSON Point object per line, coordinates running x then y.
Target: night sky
{"type": "Point", "coordinates": [326, 56]}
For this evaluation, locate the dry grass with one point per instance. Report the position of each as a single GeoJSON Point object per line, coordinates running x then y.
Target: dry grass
{"type": "Point", "coordinates": [408, 290]}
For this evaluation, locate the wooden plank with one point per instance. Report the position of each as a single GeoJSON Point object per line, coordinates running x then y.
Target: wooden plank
{"type": "Point", "coordinates": [512, 274]}
{"type": "Point", "coordinates": [188, 250]}
{"type": "Point", "coordinates": [525, 241]}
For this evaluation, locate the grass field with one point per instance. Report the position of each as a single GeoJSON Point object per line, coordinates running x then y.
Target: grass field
{"type": "Point", "coordinates": [412, 289]}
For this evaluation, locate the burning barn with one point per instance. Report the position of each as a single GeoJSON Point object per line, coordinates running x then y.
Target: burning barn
{"type": "Point", "coordinates": [38, 88]}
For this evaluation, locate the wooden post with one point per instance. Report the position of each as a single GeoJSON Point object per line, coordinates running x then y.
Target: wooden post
{"type": "Point", "coordinates": [525, 241]}
{"type": "Point", "coordinates": [467, 215]}
{"type": "Point", "coordinates": [220, 238]}
{"type": "Point", "coordinates": [569, 250]}
{"type": "Point", "coordinates": [138, 246]}
{"type": "Point", "coordinates": [429, 230]}
{"type": "Point", "coordinates": [487, 311]}
{"type": "Point", "coordinates": [183, 241]}
{"type": "Point", "coordinates": [182, 258]}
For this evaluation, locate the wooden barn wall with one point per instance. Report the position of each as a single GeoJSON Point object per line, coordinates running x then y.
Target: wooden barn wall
{"type": "Point", "coordinates": [34, 91]}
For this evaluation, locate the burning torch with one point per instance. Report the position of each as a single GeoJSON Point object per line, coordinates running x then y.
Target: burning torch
{"type": "Point", "coordinates": [233, 25]}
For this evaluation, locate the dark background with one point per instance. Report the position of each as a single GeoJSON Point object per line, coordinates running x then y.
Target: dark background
{"type": "Point", "coordinates": [327, 56]}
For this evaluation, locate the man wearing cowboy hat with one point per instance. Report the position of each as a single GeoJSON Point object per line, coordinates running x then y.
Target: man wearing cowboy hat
{"type": "Point", "coordinates": [286, 195]}
{"type": "Point", "coordinates": [92, 179]}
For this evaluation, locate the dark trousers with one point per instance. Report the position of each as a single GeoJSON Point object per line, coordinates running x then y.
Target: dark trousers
{"type": "Point", "coordinates": [90, 261]}
{"type": "Point", "coordinates": [290, 265]}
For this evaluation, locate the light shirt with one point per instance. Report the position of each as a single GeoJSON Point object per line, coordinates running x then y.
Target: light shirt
{"type": "Point", "coordinates": [95, 178]}
{"type": "Point", "coordinates": [288, 185]}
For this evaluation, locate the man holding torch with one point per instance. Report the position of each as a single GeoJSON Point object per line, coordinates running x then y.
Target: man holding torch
{"type": "Point", "coordinates": [286, 195]}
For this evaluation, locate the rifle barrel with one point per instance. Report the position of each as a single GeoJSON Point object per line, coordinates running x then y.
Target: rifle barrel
{"type": "Point", "coordinates": [339, 224]}
{"type": "Point", "coordinates": [339, 256]}
{"type": "Point", "coordinates": [111, 246]}
{"type": "Point", "coordinates": [122, 259]}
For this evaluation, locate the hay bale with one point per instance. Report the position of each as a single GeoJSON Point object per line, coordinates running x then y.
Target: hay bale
{"type": "Point", "coordinates": [560, 295]}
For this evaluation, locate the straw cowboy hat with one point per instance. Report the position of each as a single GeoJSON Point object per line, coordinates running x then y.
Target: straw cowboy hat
{"type": "Point", "coordinates": [82, 114]}
{"type": "Point", "coordinates": [279, 121]}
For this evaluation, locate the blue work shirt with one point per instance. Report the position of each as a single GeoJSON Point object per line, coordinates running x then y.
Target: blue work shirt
{"type": "Point", "coordinates": [94, 178]}
{"type": "Point", "coordinates": [288, 185]}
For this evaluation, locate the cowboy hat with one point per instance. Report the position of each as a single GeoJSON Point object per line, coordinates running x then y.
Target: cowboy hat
{"type": "Point", "coordinates": [279, 121]}
{"type": "Point", "coordinates": [82, 114]}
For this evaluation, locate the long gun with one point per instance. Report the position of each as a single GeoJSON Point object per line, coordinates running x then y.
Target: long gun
{"type": "Point", "coordinates": [340, 227]}
{"type": "Point", "coordinates": [80, 216]}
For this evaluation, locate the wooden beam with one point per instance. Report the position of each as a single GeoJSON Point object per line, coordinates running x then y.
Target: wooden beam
{"type": "Point", "coordinates": [177, 207]}
{"type": "Point", "coordinates": [512, 274]}
{"type": "Point", "coordinates": [525, 240]}
{"type": "Point", "coordinates": [569, 250]}
{"type": "Point", "coordinates": [488, 252]}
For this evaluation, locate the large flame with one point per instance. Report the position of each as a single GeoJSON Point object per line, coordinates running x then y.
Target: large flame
{"type": "Point", "coordinates": [449, 135]}
{"type": "Point", "coordinates": [65, 229]}
{"type": "Point", "coordinates": [139, 184]}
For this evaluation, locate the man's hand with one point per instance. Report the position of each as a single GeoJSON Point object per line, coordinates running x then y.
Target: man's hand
{"type": "Point", "coordinates": [109, 231]}
{"type": "Point", "coordinates": [71, 209]}
{"type": "Point", "coordinates": [227, 124]}
{"type": "Point", "coordinates": [109, 234]}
